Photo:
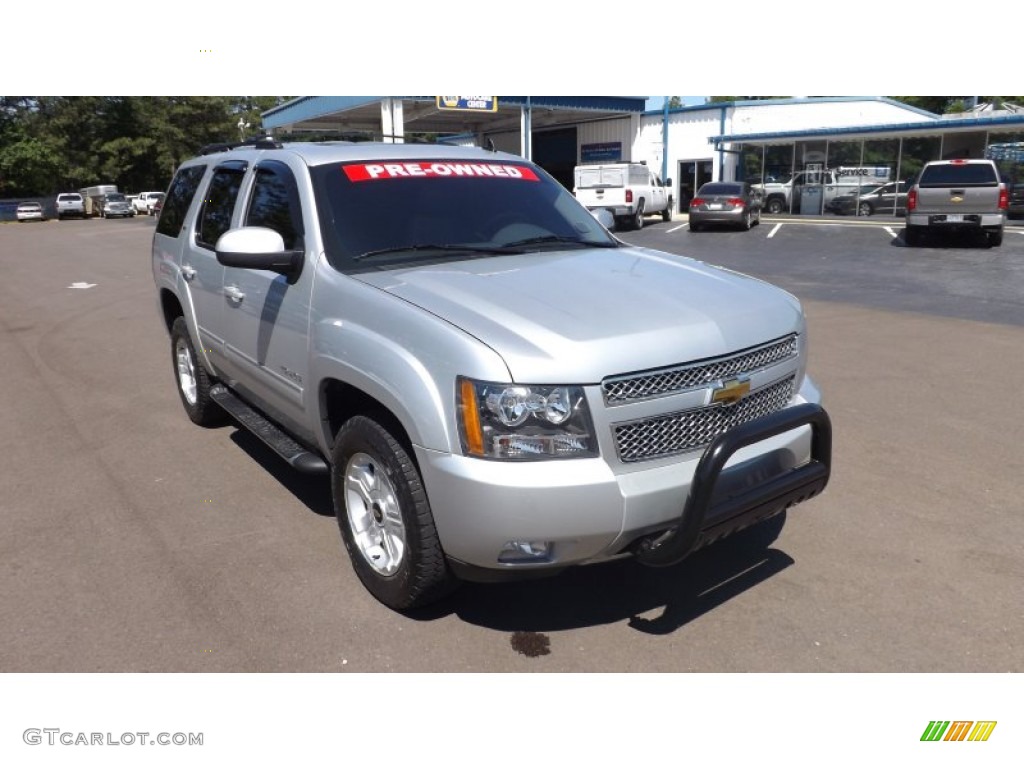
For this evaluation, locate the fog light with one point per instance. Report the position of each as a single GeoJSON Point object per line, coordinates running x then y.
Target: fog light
{"type": "Point", "coordinates": [526, 552]}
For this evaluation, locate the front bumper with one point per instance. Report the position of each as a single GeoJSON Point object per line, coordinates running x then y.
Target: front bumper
{"type": "Point", "coordinates": [590, 513]}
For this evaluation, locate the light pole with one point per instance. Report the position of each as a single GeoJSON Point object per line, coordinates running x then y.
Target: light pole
{"type": "Point", "coordinates": [242, 127]}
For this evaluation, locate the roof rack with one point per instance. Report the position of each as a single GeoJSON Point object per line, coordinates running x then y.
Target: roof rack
{"type": "Point", "coordinates": [256, 142]}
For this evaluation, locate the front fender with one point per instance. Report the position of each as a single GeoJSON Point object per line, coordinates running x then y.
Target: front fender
{"type": "Point", "coordinates": [404, 358]}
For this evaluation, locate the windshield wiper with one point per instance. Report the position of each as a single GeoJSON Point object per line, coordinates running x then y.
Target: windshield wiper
{"type": "Point", "coordinates": [560, 239]}
{"type": "Point", "coordinates": [437, 247]}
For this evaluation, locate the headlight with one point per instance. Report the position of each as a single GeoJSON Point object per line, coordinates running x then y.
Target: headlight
{"type": "Point", "coordinates": [524, 422]}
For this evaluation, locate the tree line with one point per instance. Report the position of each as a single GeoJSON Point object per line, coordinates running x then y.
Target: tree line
{"type": "Point", "coordinates": [51, 144]}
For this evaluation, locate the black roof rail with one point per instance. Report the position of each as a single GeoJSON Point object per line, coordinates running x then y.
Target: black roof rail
{"type": "Point", "coordinates": [256, 142]}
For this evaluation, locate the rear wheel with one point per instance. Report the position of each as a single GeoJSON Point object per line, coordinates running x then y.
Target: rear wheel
{"type": "Point", "coordinates": [995, 239]}
{"type": "Point", "coordinates": [864, 209]}
{"type": "Point", "coordinates": [912, 236]}
{"type": "Point", "coordinates": [385, 517]}
{"type": "Point", "coordinates": [747, 222]}
{"type": "Point", "coordinates": [638, 217]}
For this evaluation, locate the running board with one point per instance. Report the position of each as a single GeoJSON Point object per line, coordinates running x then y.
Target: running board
{"type": "Point", "coordinates": [277, 440]}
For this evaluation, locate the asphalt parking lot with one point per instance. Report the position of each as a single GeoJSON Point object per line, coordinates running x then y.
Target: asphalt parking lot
{"type": "Point", "coordinates": [131, 540]}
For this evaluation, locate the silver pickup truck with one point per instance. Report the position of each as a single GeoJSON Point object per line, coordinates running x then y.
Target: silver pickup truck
{"type": "Point", "coordinates": [956, 195]}
{"type": "Point", "coordinates": [494, 384]}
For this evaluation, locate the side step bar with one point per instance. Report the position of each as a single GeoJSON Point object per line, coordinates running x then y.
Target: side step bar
{"type": "Point", "coordinates": [280, 443]}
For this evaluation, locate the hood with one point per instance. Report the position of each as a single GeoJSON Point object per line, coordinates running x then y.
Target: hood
{"type": "Point", "coordinates": [575, 317]}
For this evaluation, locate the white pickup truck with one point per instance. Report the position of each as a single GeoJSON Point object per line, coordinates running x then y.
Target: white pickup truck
{"type": "Point", "coordinates": [144, 202]}
{"type": "Point", "coordinates": [629, 191]}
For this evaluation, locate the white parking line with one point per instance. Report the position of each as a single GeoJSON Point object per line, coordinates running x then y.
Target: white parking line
{"type": "Point", "coordinates": [676, 229]}
{"type": "Point", "coordinates": [776, 229]}
{"type": "Point", "coordinates": [890, 231]}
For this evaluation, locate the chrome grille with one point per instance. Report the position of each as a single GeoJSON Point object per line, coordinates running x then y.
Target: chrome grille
{"type": "Point", "coordinates": [668, 381]}
{"type": "Point", "coordinates": [686, 430]}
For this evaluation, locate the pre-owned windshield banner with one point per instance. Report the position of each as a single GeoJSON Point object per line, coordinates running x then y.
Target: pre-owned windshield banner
{"type": "Point", "coordinates": [437, 170]}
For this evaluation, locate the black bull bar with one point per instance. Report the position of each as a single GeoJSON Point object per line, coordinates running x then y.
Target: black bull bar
{"type": "Point", "coordinates": [750, 506]}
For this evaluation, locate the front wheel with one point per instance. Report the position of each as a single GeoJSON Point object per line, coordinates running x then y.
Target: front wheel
{"type": "Point", "coordinates": [666, 215]}
{"type": "Point", "coordinates": [775, 205]}
{"type": "Point", "coordinates": [385, 518]}
{"type": "Point", "coordinates": [194, 382]}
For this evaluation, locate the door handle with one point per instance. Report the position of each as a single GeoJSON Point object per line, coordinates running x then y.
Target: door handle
{"type": "Point", "coordinates": [188, 272]}
{"type": "Point", "coordinates": [234, 295]}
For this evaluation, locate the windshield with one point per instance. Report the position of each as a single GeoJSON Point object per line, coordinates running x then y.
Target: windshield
{"type": "Point", "coordinates": [378, 215]}
{"type": "Point", "coordinates": [115, 197]}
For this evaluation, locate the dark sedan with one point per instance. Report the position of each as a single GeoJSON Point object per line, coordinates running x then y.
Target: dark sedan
{"type": "Point", "coordinates": [889, 198]}
{"type": "Point", "coordinates": [725, 202]}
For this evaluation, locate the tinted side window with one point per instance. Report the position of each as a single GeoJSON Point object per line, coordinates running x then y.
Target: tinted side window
{"type": "Point", "coordinates": [183, 189]}
{"type": "Point", "coordinates": [215, 215]}
{"type": "Point", "coordinates": [275, 203]}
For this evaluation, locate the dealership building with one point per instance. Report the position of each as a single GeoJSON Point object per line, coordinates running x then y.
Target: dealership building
{"type": "Point", "coordinates": [871, 138]}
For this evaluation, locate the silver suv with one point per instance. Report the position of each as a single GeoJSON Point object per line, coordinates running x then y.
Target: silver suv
{"type": "Point", "coordinates": [495, 385]}
{"type": "Point", "coordinates": [70, 204]}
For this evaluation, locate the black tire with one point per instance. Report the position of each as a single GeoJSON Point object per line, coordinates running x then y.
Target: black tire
{"type": "Point", "coordinates": [912, 236]}
{"type": "Point", "coordinates": [637, 222]}
{"type": "Point", "coordinates": [865, 209]}
{"type": "Point", "coordinates": [666, 215]}
{"type": "Point", "coordinates": [694, 227]}
{"type": "Point", "coordinates": [775, 205]}
{"type": "Point", "coordinates": [199, 406]}
{"type": "Point", "coordinates": [995, 239]}
{"type": "Point", "coordinates": [366, 451]}
{"type": "Point", "coordinates": [747, 219]}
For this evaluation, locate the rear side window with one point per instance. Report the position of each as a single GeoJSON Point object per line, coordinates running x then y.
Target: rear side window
{"type": "Point", "coordinates": [959, 175]}
{"type": "Point", "coordinates": [215, 215]}
{"type": "Point", "coordinates": [275, 203]}
{"type": "Point", "coordinates": [183, 189]}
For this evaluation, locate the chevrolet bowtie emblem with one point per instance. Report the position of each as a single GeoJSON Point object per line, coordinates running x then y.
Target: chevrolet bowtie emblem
{"type": "Point", "coordinates": [956, 199]}
{"type": "Point", "coordinates": [730, 391]}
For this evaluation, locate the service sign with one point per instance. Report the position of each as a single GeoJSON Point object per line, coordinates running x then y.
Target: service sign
{"type": "Point", "coordinates": [468, 103]}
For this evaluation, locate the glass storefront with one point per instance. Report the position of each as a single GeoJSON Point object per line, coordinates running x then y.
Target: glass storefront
{"type": "Point", "coordinates": [864, 177]}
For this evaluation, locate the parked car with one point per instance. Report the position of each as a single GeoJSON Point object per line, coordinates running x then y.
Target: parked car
{"type": "Point", "coordinates": [493, 386]}
{"type": "Point", "coordinates": [889, 198]}
{"type": "Point", "coordinates": [115, 204]}
{"type": "Point", "coordinates": [725, 202]}
{"type": "Point", "coordinates": [144, 202]}
{"type": "Point", "coordinates": [70, 204]}
{"type": "Point", "coordinates": [1015, 210]}
{"type": "Point", "coordinates": [29, 212]}
{"type": "Point", "coordinates": [959, 195]}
